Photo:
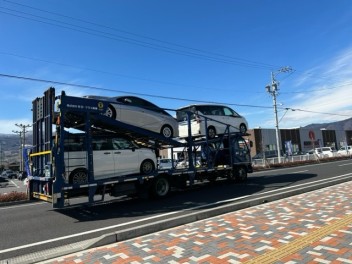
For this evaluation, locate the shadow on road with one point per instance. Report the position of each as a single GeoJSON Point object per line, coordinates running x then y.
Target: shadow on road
{"type": "Point", "coordinates": [206, 195]}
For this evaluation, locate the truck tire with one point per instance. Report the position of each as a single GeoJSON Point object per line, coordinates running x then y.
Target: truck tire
{"type": "Point", "coordinates": [79, 176]}
{"type": "Point", "coordinates": [231, 175]}
{"type": "Point", "coordinates": [241, 174]}
{"type": "Point", "coordinates": [147, 167]}
{"type": "Point", "coordinates": [160, 187]}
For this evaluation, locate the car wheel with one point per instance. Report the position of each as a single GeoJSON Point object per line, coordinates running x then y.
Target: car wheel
{"type": "Point", "coordinates": [211, 132]}
{"type": "Point", "coordinates": [147, 167]}
{"type": "Point", "coordinates": [167, 131]}
{"type": "Point", "coordinates": [160, 187]}
{"type": "Point", "coordinates": [243, 128]}
{"type": "Point", "coordinates": [79, 176]}
{"type": "Point", "coordinates": [111, 112]}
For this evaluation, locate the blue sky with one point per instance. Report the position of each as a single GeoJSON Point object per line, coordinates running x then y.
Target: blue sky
{"type": "Point", "coordinates": [170, 52]}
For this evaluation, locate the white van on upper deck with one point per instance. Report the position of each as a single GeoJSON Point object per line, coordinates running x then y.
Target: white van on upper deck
{"type": "Point", "coordinates": [218, 118]}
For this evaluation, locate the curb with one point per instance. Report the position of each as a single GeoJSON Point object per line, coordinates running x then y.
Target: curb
{"type": "Point", "coordinates": [130, 233]}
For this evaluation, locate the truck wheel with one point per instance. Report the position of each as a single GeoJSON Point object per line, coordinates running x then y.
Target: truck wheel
{"type": "Point", "coordinates": [167, 131]}
{"type": "Point", "coordinates": [231, 176]}
{"type": "Point", "coordinates": [241, 174]}
{"type": "Point", "coordinates": [147, 167]}
{"type": "Point", "coordinates": [211, 132]}
{"type": "Point", "coordinates": [160, 187]}
{"type": "Point", "coordinates": [79, 176]}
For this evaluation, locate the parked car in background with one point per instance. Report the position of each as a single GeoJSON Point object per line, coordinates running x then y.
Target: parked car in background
{"type": "Point", "coordinates": [218, 118]}
{"type": "Point", "coordinates": [345, 151]}
{"type": "Point", "coordinates": [323, 152]}
{"type": "Point", "coordinates": [141, 113]}
{"type": "Point", "coordinates": [9, 174]}
{"type": "Point", "coordinates": [326, 152]}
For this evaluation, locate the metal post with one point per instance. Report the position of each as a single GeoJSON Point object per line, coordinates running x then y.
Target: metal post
{"type": "Point", "coordinates": [277, 129]}
{"type": "Point", "coordinates": [273, 90]}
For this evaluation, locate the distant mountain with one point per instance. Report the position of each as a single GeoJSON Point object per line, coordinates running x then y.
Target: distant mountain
{"type": "Point", "coordinates": [12, 142]}
{"type": "Point", "coordinates": [339, 125]}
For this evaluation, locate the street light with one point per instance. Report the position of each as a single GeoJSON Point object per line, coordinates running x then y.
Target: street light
{"type": "Point", "coordinates": [273, 90]}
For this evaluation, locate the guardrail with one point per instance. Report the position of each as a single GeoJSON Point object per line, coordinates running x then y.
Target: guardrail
{"type": "Point", "coordinates": [292, 159]}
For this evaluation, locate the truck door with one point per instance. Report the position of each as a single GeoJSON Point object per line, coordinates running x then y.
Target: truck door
{"type": "Point", "coordinates": [241, 152]}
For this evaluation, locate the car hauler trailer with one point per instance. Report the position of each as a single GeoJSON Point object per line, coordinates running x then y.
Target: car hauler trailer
{"type": "Point", "coordinates": [58, 118]}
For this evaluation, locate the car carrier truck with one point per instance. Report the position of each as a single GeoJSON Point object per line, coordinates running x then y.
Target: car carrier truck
{"type": "Point", "coordinates": [62, 124]}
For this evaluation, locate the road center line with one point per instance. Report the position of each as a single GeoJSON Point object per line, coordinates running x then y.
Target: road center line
{"type": "Point", "coordinates": [344, 164]}
{"type": "Point", "coordinates": [299, 171]}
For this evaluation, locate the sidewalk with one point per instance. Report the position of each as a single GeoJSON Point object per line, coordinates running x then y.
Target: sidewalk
{"type": "Point", "coordinates": [315, 227]}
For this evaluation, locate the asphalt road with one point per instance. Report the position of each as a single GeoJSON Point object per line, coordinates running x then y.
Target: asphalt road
{"type": "Point", "coordinates": [36, 226]}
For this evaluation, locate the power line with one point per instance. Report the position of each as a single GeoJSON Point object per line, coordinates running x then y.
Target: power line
{"type": "Point", "coordinates": [238, 61]}
{"type": "Point", "coordinates": [146, 37]}
{"type": "Point", "coordinates": [230, 60]}
{"type": "Point", "coordinates": [156, 96]}
{"type": "Point", "coordinates": [138, 35]}
{"type": "Point", "coordinates": [121, 91]}
{"type": "Point", "coordinates": [107, 72]}
{"type": "Point", "coordinates": [233, 60]}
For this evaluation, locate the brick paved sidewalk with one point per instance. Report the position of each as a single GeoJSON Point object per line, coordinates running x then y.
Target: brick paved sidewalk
{"type": "Point", "coordinates": [315, 227]}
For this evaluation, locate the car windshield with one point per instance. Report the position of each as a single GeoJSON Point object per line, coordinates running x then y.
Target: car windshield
{"type": "Point", "coordinates": [139, 102]}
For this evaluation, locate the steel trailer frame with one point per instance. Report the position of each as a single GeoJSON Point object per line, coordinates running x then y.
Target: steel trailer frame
{"type": "Point", "coordinates": [47, 179]}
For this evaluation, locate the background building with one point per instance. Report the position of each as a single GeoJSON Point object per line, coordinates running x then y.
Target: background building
{"type": "Point", "coordinates": [298, 139]}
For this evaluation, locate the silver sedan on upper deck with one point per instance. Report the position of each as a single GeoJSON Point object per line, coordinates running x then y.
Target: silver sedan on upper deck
{"type": "Point", "coordinates": [141, 113]}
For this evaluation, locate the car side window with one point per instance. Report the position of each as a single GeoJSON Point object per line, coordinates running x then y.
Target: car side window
{"type": "Point", "coordinates": [229, 112]}
{"type": "Point", "coordinates": [106, 145]}
{"type": "Point", "coordinates": [122, 143]}
{"type": "Point", "coordinates": [219, 111]}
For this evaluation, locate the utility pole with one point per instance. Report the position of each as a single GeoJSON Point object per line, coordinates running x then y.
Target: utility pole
{"type": "Point", "coordinates": [20, 134]}
{"type": "Point", "coordinates": [273, 90]}
{"type": "Point", "coordinates": [23, 140]}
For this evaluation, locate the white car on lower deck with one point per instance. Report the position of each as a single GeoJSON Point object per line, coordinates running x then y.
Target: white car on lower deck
{"type": "Point", "coordinates": [113, 156]}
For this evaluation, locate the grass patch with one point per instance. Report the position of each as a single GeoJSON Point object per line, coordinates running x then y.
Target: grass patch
{"type": "Point", "coordinates": [13, 196]}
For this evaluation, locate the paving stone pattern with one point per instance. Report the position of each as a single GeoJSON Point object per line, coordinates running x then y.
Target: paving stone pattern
{"type": "Point", "coordinates": [247, 235]}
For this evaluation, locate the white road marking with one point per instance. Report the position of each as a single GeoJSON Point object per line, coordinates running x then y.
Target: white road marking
{"type": "Point", "coordinates": [299, 171]}
{"type": "Point", "coordinates": [15, 184]}
{"type": "Point", "coordinates": [21, 205]}
{"type": "Point", "coordinates": [344, 164]}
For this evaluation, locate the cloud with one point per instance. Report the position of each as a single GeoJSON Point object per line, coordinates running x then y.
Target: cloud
{"type": "Point", "coordinates": [8, 125]}
{"type": "Point", "coordinates": [331, 97]}
{"type": "Point", "coordinates": [325, 98]}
